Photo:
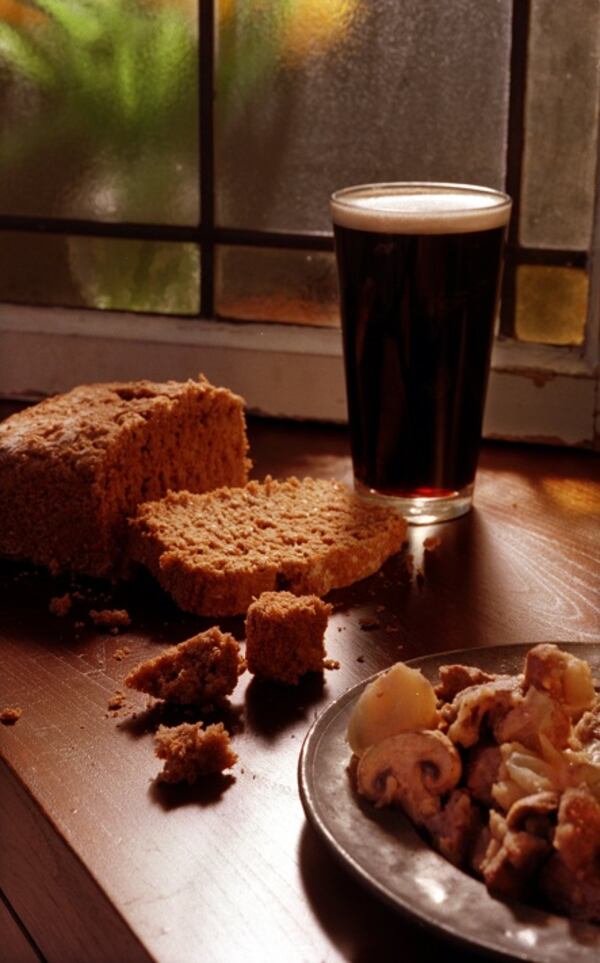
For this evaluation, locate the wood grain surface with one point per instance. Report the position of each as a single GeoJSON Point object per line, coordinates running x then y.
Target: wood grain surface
{"type": "Point", "coordinates": [101, 863]}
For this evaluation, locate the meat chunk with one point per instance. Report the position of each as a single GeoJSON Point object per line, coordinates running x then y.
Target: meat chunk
{"type": "Point", "coordinates": [482, 772]}
{"type": "Point", "coordinates": [571, 878]}
{"type": "Point", "coordinates": [563, 676]}
{"type": "Point", "coordinates": [455, 678]}
{"type": "Point", "coordinates": [535, 715]}
{"type": "Point", "coordinates": [577, 837]}
{"type": "Point", "coordinates": [471, 707]}
{"type": "Point", "coordinates": [455, 828]}
{"type": "Point", "coordinates": [587, 729]}
{"type": "Point", "coordinates": [512, 859]}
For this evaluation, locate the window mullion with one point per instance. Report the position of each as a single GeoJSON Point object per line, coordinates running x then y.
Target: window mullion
{"type": "Point", "coordinates": [206, 152]}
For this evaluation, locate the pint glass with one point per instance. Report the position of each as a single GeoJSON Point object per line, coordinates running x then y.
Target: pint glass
{"type": "Point", "coordinates": [419, 269]}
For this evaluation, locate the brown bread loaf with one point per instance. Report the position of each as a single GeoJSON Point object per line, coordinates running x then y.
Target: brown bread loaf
{"type": "Point", "coordinates": [74, 467]}
{"type": "Point", "coordinates": [215, 552]}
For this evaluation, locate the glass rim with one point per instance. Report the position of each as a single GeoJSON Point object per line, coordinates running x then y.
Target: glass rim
{"type": "Point", "coordinates": [415, 187]}
{"type": "Point", "coordinates": [350, 208]}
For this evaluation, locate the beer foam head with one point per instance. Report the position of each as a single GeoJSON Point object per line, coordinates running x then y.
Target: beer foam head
{"type": "Point", "coordinates": [420, 208]}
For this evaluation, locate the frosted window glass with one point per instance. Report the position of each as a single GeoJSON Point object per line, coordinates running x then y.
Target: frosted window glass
{"type": "Point", "coordinates": [99, 109]}
{"type": "Point", "coordinates": [551, 304]}
{"type": "Point", "coordinates": [561, 124]}
{"type": "Point", "coordinates": [297, 287]}
{"type": "Point", "coordinates": [100, 273]}
{"type": "Point", "coordinates": [314, 95]}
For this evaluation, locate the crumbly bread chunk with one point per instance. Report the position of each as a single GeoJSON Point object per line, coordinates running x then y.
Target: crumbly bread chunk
{"type": "Point", "coordinates": [285, 636]}
{"type": "Point", "coordinates": [190, 751]}
{"type": "Point", "coordinates": [112, 617]}
{"type": "Point", "coordinates": [61, 604]}
{"type": "Point", "coordinates": [214, 553]}
{"type": "Point", "coordinates": [74, 467]}
{"type": "Point", "coordinates": [10, 714]}
{"type": "Point", "coordinates": [200, 671]}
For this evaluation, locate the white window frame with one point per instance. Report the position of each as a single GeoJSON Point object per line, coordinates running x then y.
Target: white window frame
{"type": "Point", "coordinates": [536, 393]}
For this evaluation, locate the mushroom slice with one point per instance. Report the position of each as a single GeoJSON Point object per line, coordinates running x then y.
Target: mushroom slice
{"type": "Point", "coordinates": [535, 814]}
{"type": "Point", "coordinates": [411, 769]}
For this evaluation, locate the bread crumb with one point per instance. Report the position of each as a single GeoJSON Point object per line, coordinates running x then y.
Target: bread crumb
{"type": "Point", "coordinates": [116, 701]}
{"type": "Point", "coordinates": [285, 636]}
{"type": "Point", "coordinates": [111, 617]}
{"type": "Point", "coordinates": [61, 604]}
{"type": "Point", "coordinates": [202, 670]}
{"type": "Point", "coordinates": [120, 654]}
{"type": "Point", "coordinates": [431, 543]}
{"type": "Point", "coordinates": [368, 624]}
{"type": "Point", "coordinates": [190, 751]}
{"type": "Point", "coordinates": [10, 714]}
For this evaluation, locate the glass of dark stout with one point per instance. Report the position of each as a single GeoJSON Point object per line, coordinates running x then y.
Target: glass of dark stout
{"type": "Point", "coordinates": [419, 269]}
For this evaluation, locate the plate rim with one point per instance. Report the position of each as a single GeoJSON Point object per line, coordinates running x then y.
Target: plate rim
{"type": "Point", "coordinates": [318, 731]}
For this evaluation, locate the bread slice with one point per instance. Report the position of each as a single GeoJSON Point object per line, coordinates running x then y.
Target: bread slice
{"type": "Point", "coordinates": [215, 552]}
{"type": "Point", "coordinates": [74, 467]}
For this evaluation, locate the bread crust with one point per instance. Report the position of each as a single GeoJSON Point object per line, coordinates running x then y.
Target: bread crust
{"type": "Point", "coordinates": [75, 466]}
{"type": "Point", "coordinates": [215, 552]}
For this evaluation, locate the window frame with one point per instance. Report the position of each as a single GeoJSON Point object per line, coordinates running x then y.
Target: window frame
{"type": "Point", "coordinates": [536, 392]}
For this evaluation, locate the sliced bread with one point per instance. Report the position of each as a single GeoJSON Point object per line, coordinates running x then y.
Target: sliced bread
{"type": "Point", "coordinates": [216, 552]}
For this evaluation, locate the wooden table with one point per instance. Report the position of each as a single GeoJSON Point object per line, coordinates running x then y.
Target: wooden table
{"type": "Point", "coordinates": [99, 863]}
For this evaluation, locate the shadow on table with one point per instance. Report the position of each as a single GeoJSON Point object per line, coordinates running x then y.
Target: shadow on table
{"type": "Point", "coordinates": [362, 927]}
{"type": "Point", "coordinates": [206, 792]}
{"type": "Point", "coordinates": [271, 708]}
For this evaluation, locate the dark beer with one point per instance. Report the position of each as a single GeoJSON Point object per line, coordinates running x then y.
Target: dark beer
{"type": "Point", "coordinates": [419, 276]}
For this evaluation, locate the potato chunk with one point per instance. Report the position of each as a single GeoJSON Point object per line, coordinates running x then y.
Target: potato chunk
{"type": "Point", "coordinates": [399, 700]}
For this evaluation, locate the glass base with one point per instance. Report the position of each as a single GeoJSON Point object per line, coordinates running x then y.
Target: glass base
{"type": "Point", "coordinates": [421, 510]}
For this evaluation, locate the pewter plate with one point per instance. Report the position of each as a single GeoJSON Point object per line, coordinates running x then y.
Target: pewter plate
{"type": "Point", "coordinates": [381, 848]}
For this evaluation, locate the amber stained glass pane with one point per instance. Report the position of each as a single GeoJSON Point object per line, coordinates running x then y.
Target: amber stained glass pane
{"type": "Point", "coordinates": [296, 287]}
{"type": "Point", "coordinates": [551, 304]}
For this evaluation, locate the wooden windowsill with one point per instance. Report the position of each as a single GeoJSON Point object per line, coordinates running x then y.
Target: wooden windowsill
{"type": "Point", "coordinates": [99, 864]}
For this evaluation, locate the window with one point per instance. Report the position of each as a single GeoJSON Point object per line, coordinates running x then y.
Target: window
{"type": "Point", "coordinates": [165, 168]}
